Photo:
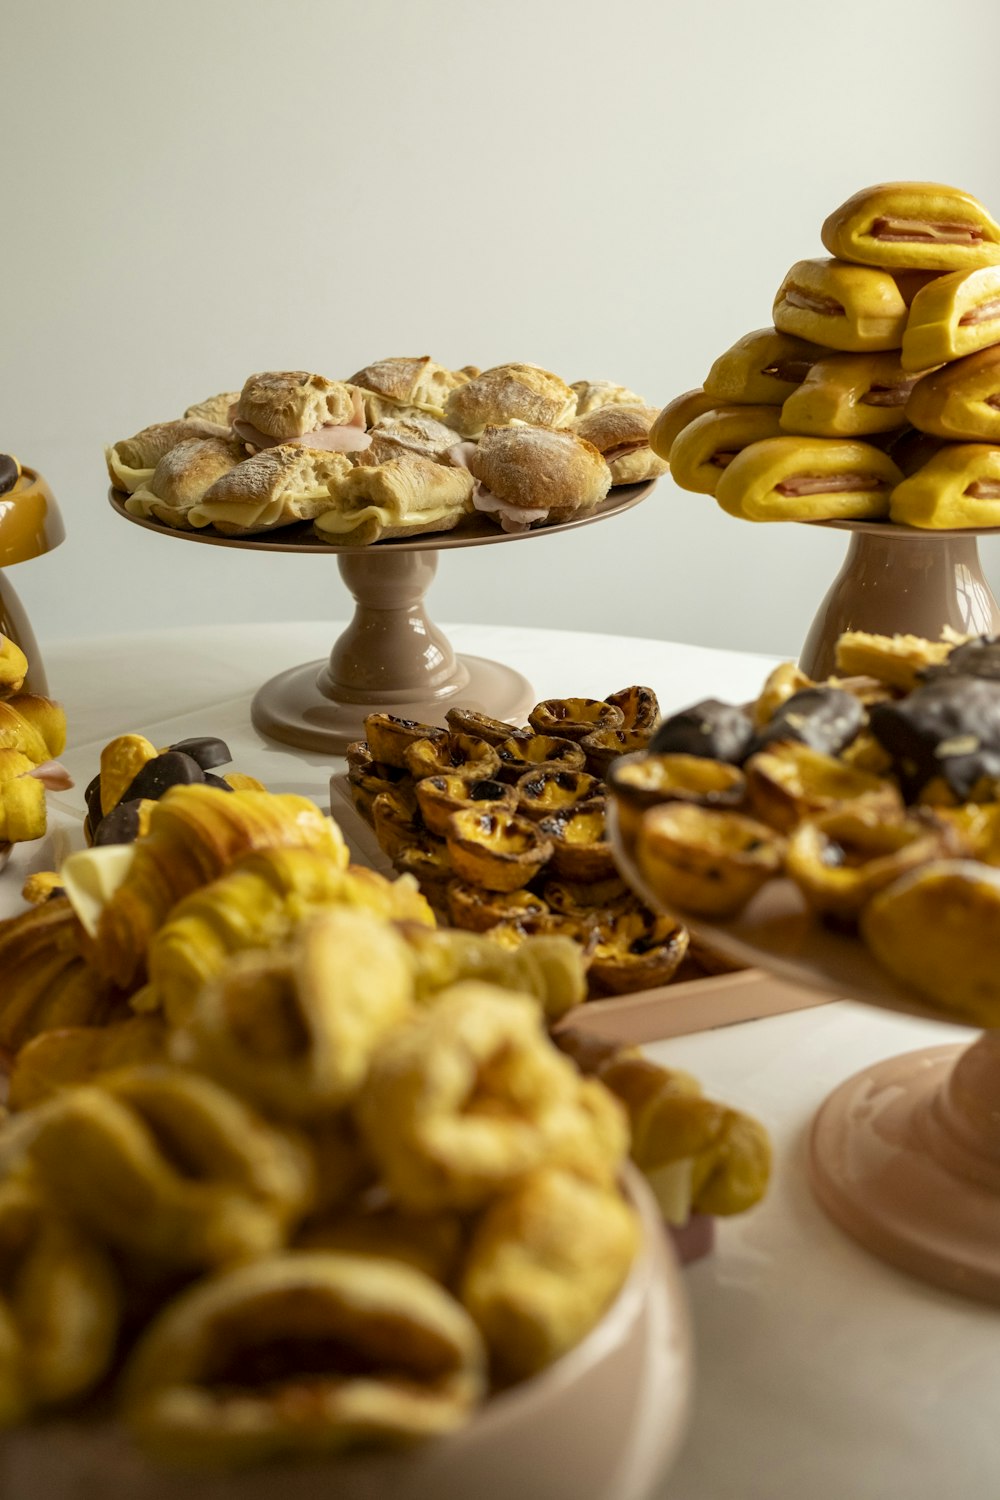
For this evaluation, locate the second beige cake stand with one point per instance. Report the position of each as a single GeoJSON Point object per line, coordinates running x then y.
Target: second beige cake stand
{"type": "Point", "coordinates": [391, 657]}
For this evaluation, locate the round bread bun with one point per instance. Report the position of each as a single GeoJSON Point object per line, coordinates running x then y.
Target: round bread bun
{"type": "Point", "coordinates": [537, 475]}
{"type": "Point", "coordinates": [510, 393]}
{"type": "Point", "coordinates": [621, 435]}
{"type": "Point", "coordinates": [290, 403]}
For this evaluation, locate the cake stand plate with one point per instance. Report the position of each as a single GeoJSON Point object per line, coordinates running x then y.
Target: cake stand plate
{"type": "Point", "coordinates": [905, 1156]}
{"type": "Point", "coordinates": [391, 658]}
{"type": "Point", "coordinates": [901, 580]}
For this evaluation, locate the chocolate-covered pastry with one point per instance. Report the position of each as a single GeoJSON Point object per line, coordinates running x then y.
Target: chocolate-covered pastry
{"type": "Point", "coordinates": [761, 369]}
{"type": "Point", "coordinates": [958, 487]}
{"type": "Point", "coordinates": [808, 479]}
{"type": "Point", "coordinates": [961, 401]}
{"type": "Point", "coordinates": [710, 443]}
{"type": "Point", "coordinates": [851, 395]}
{"type": "Point", "coordinates": [718, 731]}
{"type": "Point", "coordinates": [951, 317]}
{"type": "Point", "coordinates": [920, 224]}
{"type": "Point", "coordinates": [855, 308]}
{"type": "Point", "coordinates": [10, 473]}
{"type": "Point", "coordinates": [207, 750]}
{"type": "Point", "coordinates": [121, 825]}
{"type": "Point", "coordinates": [157, 776]}
{"type": "Point", "coordinates": [948, 728]}
{"type": "Point", "coordinates": [978, 658]}
{"type": "Point", "coordinates": [824, 718]}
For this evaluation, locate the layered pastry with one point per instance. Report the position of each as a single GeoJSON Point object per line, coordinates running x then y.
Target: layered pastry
{"type": "Point", "coordinates": [402, 497]}
{"type": "Point", "coordinates": [182, 478]}
{"type": "Point", "coordinates": [535, 475]}
{"type": "Point", "coordinates": [961, 401]}
{"type": "Point", "coordinates": [132, 461]}
{"type": "Point", "coordinates": [591, 394]}
{"type": "Point", "coordinates": [959, 487]}
{"type": "Point", "coordinates": [402, 387]}
{"type": "Point", "coordinates": [924, 225]}
{"type": "Point", "coordinates": [851, 395]}
{"type": "Point", "coordinates": [620, 433]}
{"type": "Point", "coordinates": [848, 307]}
{"type": "Point", "coordinates": [294, 407]}
{"type": "Point", "coordinates": [705, 447]}
{"type": "Point", "coordinates": [816, 479]}
{"type": "Point", "coordinates": [274, 488]}
{"type": "Point", "coordinates": [953, 316]}
{"type": "Point", "coordinates": [762, 368]}
{"type": "Point", "coordinates": [510, 393]}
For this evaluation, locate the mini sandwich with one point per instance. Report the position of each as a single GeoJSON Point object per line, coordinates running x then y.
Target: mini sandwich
{"type": "Point", "coordinates": [182, 478]}
{"type": "Point", "coordinates": [294, 407]}
{"type": "Point", "coordinates": [761, 369]}
{"type": "Point", "coordinates": [854, 308]}
{"type": "Point", "coordinates": [958, 488]}
{"type": "Point", "coordinates": [535, 476]}
{"type": "Point", "coordinates": [920, 224]}
{"type": "Point", "coordinates": [275, 488]}
{"type": "Point", "coordinates": [676, 416]}
{"type": "Point", "coordinates": [590, 394]}
{"type": "Point", "coordinates": [621, 435]}
{"type": "Point", "coordinates": [510, 393]}
{"type": "Point", "coordinates": [131, 461]}
{"type": "Point", "coordinates": [395, 437]}
{"type": "Point", "coordinates": [403, 497]}
{"type": "Point", "coordinates": [953, 316]}
{"type": "Point", "coordinates": [220, 408]}
{"type": "Point", "coordinates": [707, 446]}
{"type": "Point", "coordinates": [800, 479]}
{"type": "Point", "coordinates": [850, 395]}
{"type": "Point", "coordinates": [961, 400]}
{"type": "Point", "coordinates": [406, 388]}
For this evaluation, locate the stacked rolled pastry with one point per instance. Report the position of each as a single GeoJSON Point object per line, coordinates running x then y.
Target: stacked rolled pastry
{"type": "Point", "coordinates": [404, 446]}
{"type": "Point", "coordinates": [32, 734]}
{"type": "Point", "coordinates": [876, 394]}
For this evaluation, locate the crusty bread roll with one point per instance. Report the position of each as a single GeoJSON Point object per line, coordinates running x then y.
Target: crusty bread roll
{"type": "Point", "coordinates": [275, 488]}
{"type": "Point", "coordinates": [292, 406]}
{"type": "Point", "coordinates": [402, 497]}
{"type": "Point", "coordinates": [510, 393]}
{"type": "Point", "coordinates": [621, 435]}
{"type": "Point", "coordinates": [182, 477]}
{"type": "Point", "coordinates": [131, 461]}
{"type": "Point", "coordinates": [215, 408]}
{"type": "Point", "coordinates": [395, 437]}
{"type": "Point", "coordinates": [405, 387]}
{"type": "Point", "coordinates": [532, 475]}
{"type": "Point", "coordinates": [590, 394]}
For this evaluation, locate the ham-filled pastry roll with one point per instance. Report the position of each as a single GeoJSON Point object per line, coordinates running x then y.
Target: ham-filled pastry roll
{"type": "Point", "coordinates": [534, 476]}
{"type": "Point", "coordinates": [620, 433]}
{"type": "Point", "coordinates": [959, 487]}
{"type": "Point", "coordinates": [707, 446]}
{"type": "Point", "coordinates": [961, 400]}
{"type": "Point", "coordinates": [850, 395]}
{"type": "Point", "coordinates": [274, 488]}
{"type": "Point", "coordinates": [921, 224]}
{"type": "Point", "coordinates": [952, 316]}
{"type": "Point", "coordinates": [761, 368]}
{"type": "Point", "coordinates": [817, 479]}
{"type": "Point", "coordinates": [848, 307]}
{"type": "Point", "coordinates": [183, 477]}
{"type": "Point", "coordinates": [406, 387]}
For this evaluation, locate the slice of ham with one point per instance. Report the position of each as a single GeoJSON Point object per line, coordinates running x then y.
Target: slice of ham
{"type": "Point", "coordinates": [829, 484]}
{"type": "Point", "coordinates": [332, 439]}
{"type": "Point", "coordinates": [723, 457]}
{"type": "Point", "coordinates": [986, 312]}
{"type": "Point", "coordinates": [53, 776]}
{"type": "Point", "coordinates": [890, 395]}
{"type": "Point", "coordinates": [623, 450]}
{"type": "Point", "coordinates": [788, 369]}
{"type": "Point", "coordinates": [458, 454]}
{"type": "Point", "coordinates": [917, 231]}
{"type": "Point", "coordinates": [983, 489]}
{"type": "Point", "coordinates": [512, 518]}
{"type": "Point", "coordinates": [828, 307]}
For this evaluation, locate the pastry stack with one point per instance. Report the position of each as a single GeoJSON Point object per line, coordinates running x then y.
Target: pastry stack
{"type": "Point", "coordinates": [403, 447]}
{"type": "Point", "coordinates": [876, 394]}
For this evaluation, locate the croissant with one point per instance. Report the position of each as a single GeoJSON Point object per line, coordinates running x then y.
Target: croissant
{"type": "Point", "coordinates": [46, 980]}
{"type": "Point", "coordinates": [195, 833]}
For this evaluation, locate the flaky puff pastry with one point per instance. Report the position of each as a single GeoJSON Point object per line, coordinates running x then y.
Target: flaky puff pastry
{"type": "Point", "coordinates": [549, 968]}
{"type": "Point", "coordinates": [295, 1030]}
{"type": "Point", "coordinates": [959, 487]}
{"type": "Point", "coordinates": [924, 225]}
{"type": "Point", "coordinates": [275, 488]}
{"type": "Point", "coordinates": [591, 394]}
{"type": "Point", "coordinates": [403, 497]}
{"type": "Point", "coordinates": [47, 983]}
{"type": "Point", "coordinates": [545, 1261]}
{"type": "Point", "coordinates": [470, 1094]}
{"type": "Point", "coordinates": [536, 476]}
{"type": "Point", "coordinates": [132, 461]}
{"type": "Point", "coordinates": [163, 1164]}
{"type": "Point", "coordinates": [406, 387]}
{"type": "Point", "coordinates": [509, 393]}
{"type": "Point", "coordinates": [961, 401]}
{"type": "Point", "coordinates": [620, 433]}
{"type": "Point", "coordinates": [304, 1353]}
{"type": "Point", "coordinates": [182, 477]}
{"type": "Point", "coordinates": [59, 1304]}
{"type": "Point", "coordinates": [808, 479]}
{"type": "Point", "coordinates": [60, 1058]}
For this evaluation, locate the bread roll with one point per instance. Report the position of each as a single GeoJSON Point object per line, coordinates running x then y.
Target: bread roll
{"type": "Point", "coordinates": [182, 477]}
{"type": "Point", "coordinates": [535, 475]}
{"type": "Point", "coordinates": [131, 461]}
{"type": "Point", "coordinates": [403, 497]}
{"type": "Point", "coordinates": [215, 408]}
{"type": "Point", "coordinates": [590, 394]}
{"type": "Point", "coordinates": [275, 488]}
{"type": "Point", "coordinates": [620, 433]}
{"type": "Point", "coordinates": [395, 437]}
{"type": "Point", "coordinates": [406, 387]}
{"type": "Point", "coordinates": [510, 393]}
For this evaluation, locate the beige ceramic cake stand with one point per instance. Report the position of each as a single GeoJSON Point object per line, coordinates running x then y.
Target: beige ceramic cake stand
{"type": "Point", "coordinates": [905, 1156]}
{"type": "Point", "coordinates": [391, 657]}
{"type": "Point", "coordinates": [901, 580]}
{"type": "Point", "coordinates": [30, 524]}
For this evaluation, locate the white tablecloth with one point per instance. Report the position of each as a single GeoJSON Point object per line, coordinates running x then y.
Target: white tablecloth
{"type": "Point", "coordinates": [821, 1374]}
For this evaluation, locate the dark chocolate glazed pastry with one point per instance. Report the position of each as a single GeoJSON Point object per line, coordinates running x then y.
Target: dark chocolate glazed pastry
{"type": "Point", "coordinates": [10, 473]}
{"type": "Point", "coordinates": [978, 658]}
{"type": "Point", "coordinates": [120, 826]}
{"type": "Point", "coordinates": [824, 718]}
{"type": "Point", "coordinates": [173, 768]}
{"type": "Point", "coordinates": [718, 731]}
{"type": "Point", "coordinates": [948, 728]}
{"type": "Point", "coordinates": [208, 751]}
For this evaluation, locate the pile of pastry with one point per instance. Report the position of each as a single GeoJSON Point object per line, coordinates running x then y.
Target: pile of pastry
{"type": "Point", "coordinates": [32, 734]}
{"type": "Point", "coordinates": [504, 828]}
{"type": "Point", "coordinates": [877, 793]}
{"type": "Point", "coordinates": [403, 447]}
{"type": "Point", "coordinates": [876, 394]}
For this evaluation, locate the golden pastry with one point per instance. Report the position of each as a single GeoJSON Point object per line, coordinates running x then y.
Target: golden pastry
{"type": "Point", "coordinates": [808, 479]}
{"type": "Point", "coordinates": [532, 476]}
{"type": "Point", "coordinates": [959, 487]}
{"type": "Point", "coordinates": [592, 394]}
{"type": "Point", "coordinates": [401, 437]}
{"type": "Point", "coordinates": [440, 796]}
{"type": "Point", "coordinates": [920, 224]}
{"type": "Point", "coordinates": [470, 721]}
{"type": "Point", "coordinates": [783, 683]}
{"type": "Point", "coordinates": [840, 859]}
{"type": "Point", "coordinates": [580, 847]}
{"type": "Point", "coordinates": [13, 667]}
{"type": "Point", "coordinates": [431, 1243]}
{"type": "Point", "coordinates": [621, 435]}
{"type": "Point", "coordinates": [402, 388]}
{"type": "Point", "coordinates": [854, 308]}
{"type": "Point", "coordinates": [182, 477]}
{"type": "Point", "coordinates": [951, 317]}
{"type": "Point", "coordinates": [132, 461]}
{"type": "Point", "coordinates": [706, 447]}
{"type": "Point", "coordinates": [675, 417]}
{"type": "Point", "coordinates": [66, 1055]}
{"type": "Point", "coordinates": [528, 752]}
{"type": "Point", "coordinates": [47, 982]}
{"type": "Point", "coordinates": [553, 790]}
{"type": "Point", "coordinates": [762, 368]}
{"type": "Point", "coordinates": [789, 781]}
{"type": "Point", "coordinates": [896, 660]}
{"type": "Point", "coordinates": [573, 718]}
{"type": "Point", "coordinates": [497, 850]}
{"type": "Point", "coordinates": [294, 407]}
{"type": "Point", "coordinates": [644, 780]}
{"type": "Point", "coordinates": [404, 496]}
{"type": "Point", "coordinates": [850, 395]}
{"type": "Point", "coordinates": [704, 860]}
{"type": "Point", "coordinates": [508, 393]}
{"type": "Point", "coordinates": [220, 408]}
{"type": "Point", "coordinates": [396, 818]}
{"type": "Point", "coordinates": [451, 754]}
{"type": "Point", "coordinates": [548, 967]}
{"type": "Point", "coordinates": [636, 950]}
{"type": "Point", "coordinates": [604, 746]}
{"type": "Point", "coordinates": [961, 401]}
{"type": "Point", "coordinates": [388, 737]}
{"type": "Point", "coordinates": [639, 706]}
{"type": "Point", "coordinates": [475, 909]}
{"type": "Point", "coordinates": [276, 487]}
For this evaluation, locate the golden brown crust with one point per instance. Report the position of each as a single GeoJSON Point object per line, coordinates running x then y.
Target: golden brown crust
{"type": "Point", "coordinates": [131, 461]}
{"type": "Point", "coordinates": [290, 403]}
{"type": "Point", "coordinates": [214, 408]}
{"type": "Point", "coordinates": [274, 488]}
{"type": "Point", "coordinates": [537, 468]}
{"type": "Point", "coordinates": [399, 498]}
{"type": "Point", "coordinates": [183, 476]}
{"type": "Point", "coordinates": [508, 393]}
{"type": "Point", "coordinates": [406, 387]}
{"type": "Point", "coordinates": [621, 434]}
{"type": "Point", "coordinates": [399, 437]}
{"type": "Point", "coordinates": [591, 394]}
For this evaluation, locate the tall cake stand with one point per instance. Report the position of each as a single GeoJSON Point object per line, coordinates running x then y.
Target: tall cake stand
{"type": "Point", "coordinates": [904, 1156]}
{"type": "Point", "coordinates": [30, 524]}
{"type": "Point", "coordinates": [391, 657]}
{"type": "Point", "coordinates": [901, 580]}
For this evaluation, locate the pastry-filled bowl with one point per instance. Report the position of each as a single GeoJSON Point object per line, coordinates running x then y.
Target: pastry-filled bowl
{"type": "Point", "coordinates": [602, 1422]}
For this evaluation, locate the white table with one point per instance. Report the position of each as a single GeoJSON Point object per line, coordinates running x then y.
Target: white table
{"type": "Point", "coordinates": [821, 1373]}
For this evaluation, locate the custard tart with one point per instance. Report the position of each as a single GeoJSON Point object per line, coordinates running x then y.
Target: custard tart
{"type": "Point", "coordinates": [580, 847]}
{"type": "Point", "coordinates": [704, 860]}
{"type": "Point", "coordinates": [529, 752]}
{"type": "Point", "coordinates": [641, 781]}
{"type": "Point", "coordinates": [551, 790]}
{"type": "Point", "coordinates": [389, 737]}
{"type": "Point", "coordinates": [440, 796]}
{"type": "Point", "coordinates": [791, 781]}
{"type": "Point", "coordinates": [451, 753]}
{"type": "Point", "coordinates": [397, 819]}
{"type": "Point", "coordinates": [477, 910]}
{"type": "Point", "coordinates": [573, 718]}
{"type": "Point", "coordinates": [636, 951]}
{"type": "Point", "coordinates": [606, 745]}
{"type": "Point", "coordinates": [840, 859]}
{"type": "Point", "coordinates": [639, 705]}
{"type": "Point", "coordinates": [498, 850]}
{"type": "Point", "coordinates": [493, 731]}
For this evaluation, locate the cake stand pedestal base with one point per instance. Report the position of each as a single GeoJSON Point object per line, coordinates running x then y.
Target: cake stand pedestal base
{"type": "Point", "coordinates": [905, 1156]}
{"type": "Point", "coordinates": [14, 624]}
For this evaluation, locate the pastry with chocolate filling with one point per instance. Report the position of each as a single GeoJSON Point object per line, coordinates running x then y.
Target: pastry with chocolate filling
{"type": "Point", "coordinates": [402, 387]}
{"type": "Point", "coordinates": [399, 437]}
{"type": "Point", "coordinates": [954, 316]}
{"type": "Point", "coordinates": [959, 487]}
{"type": "Point", "coordinates": [182, 478]}
{"type": "Point", "coordinates": [292, 406]}
{"type": "Point", "coordinates": [132, 461]}
{"type": "Point", "coordinates": [854, 308]}
{"type": "Point", "coordinates": [924, 225]}
{"type": "Point", "coordinates": [591, 394]}
{"type": "Point", "coordinates": [808, 479]}
{"type": "Point", "coordinates": [274, 488]}
{"type": "Point", "coordinates": [851, 395]}
{"type": "Point", "coordinates": [976, 658]}
{"type": "Point", "coordinates": [715, 730]}
{"type": "Point", "coordinates": [762, 368]}
{"type": "Point", "coordinates": [675, 417]}
{"type": "Point", "coordinates": [961, 401]}
{"type": "Point", "coordinates": [949, 728]}
{"type": "Point", "coordinates": [621, 434]}
{"type": "Point", "coordinates": [220, 408]}
{"type": "Point", "coordinates": [510, 393]}
{"type": "Point", "coordinates": [825, 718]}
{"type": "Point", "coordinates": [704, 449]}
{"type": "Point", "coordinates": [531, 476]}
{"type": "Point", "coordinates": [403, 497]}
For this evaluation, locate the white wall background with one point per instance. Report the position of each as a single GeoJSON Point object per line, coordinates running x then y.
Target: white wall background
{"type": "Point", "coordinates": [195, 189]}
